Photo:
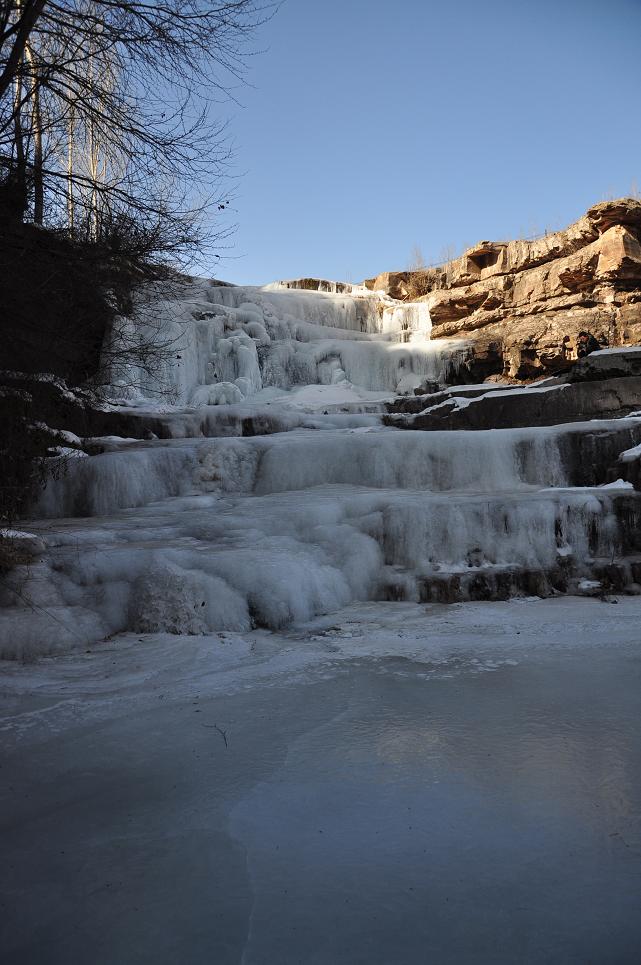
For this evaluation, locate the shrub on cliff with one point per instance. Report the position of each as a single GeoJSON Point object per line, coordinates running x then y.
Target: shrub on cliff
{"type": "Point", "coordinates": [24, 445]}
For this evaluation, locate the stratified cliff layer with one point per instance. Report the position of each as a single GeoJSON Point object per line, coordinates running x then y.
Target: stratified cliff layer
{"type": "Point", "coordinates": [517, 300]}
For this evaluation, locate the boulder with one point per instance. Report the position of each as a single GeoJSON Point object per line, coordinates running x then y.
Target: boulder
{"type": "Point", "coordinates": [608, 364]}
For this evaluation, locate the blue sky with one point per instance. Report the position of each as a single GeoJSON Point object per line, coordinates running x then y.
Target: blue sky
{"type": "Point", "coordinates": [372, 127]}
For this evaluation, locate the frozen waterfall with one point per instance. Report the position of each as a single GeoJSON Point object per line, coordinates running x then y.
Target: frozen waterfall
{"type": "Point", "coordinates": [229, 344]}
{"type": "Point", "coordinates": [276, 494]}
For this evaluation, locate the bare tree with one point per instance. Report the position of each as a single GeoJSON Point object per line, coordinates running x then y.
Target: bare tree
{"type": "Point", "coordinates": [417, 261]}
{"type": "Point", "coordinates": [108, 109]}
{"type": "Point", "coordinates": [17, 20]}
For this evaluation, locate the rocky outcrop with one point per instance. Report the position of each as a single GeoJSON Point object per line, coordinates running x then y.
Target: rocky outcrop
{"type": "Point", "coordinates": [608, 364]}
{"type": "Point", "coordinates": [605, 385]}
{"type": "Point", "coordinates": [516, 408]}
{"type": "Point", "coordinates": [315, 285]}
{"type": "Point", "coordinates": [19, 549]}
{"type": "Point", "coordinates": [522, 303]}
{"type": "Point", "coordinates": [396, 284]}
{"type": "Point", "coordinates": [629, 466]}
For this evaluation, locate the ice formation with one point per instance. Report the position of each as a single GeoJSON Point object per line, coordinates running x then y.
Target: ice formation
{"type": "Point", "coordinates": [277, 494]}
{"type": "Point", "coordinates": [232, 342]}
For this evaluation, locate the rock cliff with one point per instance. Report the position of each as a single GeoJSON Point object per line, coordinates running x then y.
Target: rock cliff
{"type": "Point", "coordinates": [517, 301]}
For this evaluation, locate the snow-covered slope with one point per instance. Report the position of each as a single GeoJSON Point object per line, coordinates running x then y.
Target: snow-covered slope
{"type": "Point", "coordinates": [278, 494]}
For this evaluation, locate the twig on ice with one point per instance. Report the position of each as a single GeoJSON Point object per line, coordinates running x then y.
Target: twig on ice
{"type": "Point", "coordinates": [223, 733]}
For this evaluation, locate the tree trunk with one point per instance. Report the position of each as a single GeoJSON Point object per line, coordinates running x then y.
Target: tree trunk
{"type": "Point", "coordinates": [18, 177]}
{"type": "Point", "coordinates": [36, 128]}
{"type": "Point", "coordinates": [70, 200]}
{"type": "Point", "coordinates": [29, 13]}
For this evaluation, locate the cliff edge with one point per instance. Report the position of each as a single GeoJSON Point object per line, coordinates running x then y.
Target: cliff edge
{"type": "Point", "coordinates": [517, 300]}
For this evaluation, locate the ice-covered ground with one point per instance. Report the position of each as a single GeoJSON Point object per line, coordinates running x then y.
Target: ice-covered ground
{"type": "Point", "coordinates": [391, 783]}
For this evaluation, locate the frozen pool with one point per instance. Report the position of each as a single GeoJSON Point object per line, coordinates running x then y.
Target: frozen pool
{"type": "Point", "coordinates": [390, 784]}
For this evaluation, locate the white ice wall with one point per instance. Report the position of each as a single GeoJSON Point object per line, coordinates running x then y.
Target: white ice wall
{"type": "Point", "coordinates": [226, 343]}
{"type": "Point", "coordinates": [193, 564]}
{"type": "Point", "coordinates": [481, 461]}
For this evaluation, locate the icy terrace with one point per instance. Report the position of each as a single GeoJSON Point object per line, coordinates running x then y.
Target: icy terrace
{"type": "Point", "coordinates": [212, 530]}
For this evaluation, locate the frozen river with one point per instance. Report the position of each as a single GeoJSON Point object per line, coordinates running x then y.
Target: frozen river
{"type": "Point", "coordinates": [393, 783]}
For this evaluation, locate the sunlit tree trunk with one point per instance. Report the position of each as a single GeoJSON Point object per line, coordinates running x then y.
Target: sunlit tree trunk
{"type": "Point", "coordinates": [36, 131]}
{"type": "Point", "coordinates": [70, 198]}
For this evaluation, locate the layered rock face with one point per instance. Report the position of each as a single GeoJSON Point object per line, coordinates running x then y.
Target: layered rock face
{"type": "Point", "coordinates": [516, 301]}
{"type": "Point", "coordinates": [605, 385]}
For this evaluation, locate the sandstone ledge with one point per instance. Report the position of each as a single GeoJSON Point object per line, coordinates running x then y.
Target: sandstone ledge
{"type": "Point", "coordinates": [517, 300]}
{"type": "Point", "coordinates": [513, 408]}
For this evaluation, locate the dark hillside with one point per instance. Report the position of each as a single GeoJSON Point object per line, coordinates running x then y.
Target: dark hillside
{"type": "Point", "coordinates": [54, 306]}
